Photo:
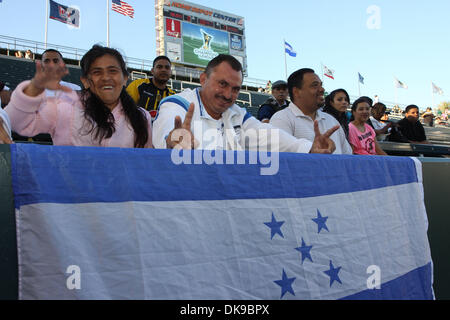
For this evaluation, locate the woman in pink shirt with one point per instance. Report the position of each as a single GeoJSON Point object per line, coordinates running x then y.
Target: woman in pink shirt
{"type": "Point", "coordinates": [361, 136]}
{"type": "Point", "coordinates": [102, 114]}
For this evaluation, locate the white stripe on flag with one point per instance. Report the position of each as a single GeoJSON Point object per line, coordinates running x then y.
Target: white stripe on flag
{"type": "Point", "coordinates": [124, 9]}
{"type": "Point", "coordinates": [198, 236]}
{"type": "Point", "coordinates": [289, 50]}
{"type": "Point", "coordinates": [214, 250]}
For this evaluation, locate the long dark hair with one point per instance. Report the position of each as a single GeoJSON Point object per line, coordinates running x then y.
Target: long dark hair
{"type": "Point", "coordinates": [355, 105]}
{"type": "Point", "coordinates": [96, 112]}
{"type": "Point", "coordinates": [341, 117]}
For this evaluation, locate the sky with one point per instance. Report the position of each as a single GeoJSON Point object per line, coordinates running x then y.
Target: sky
{"type": "Point", "coordinates": [381, 39]}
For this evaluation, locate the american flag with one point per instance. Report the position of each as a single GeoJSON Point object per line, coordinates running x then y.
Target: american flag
{"type": "Point", "coordinates": [123, 8]}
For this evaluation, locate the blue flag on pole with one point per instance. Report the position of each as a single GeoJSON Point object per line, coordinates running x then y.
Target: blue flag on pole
{"type": "Point", "coordinates": [64, 14]}
{"type": "Point", "coordinates": [289, 50]}
{"type": "Point", "coordinates": [361, 78]}
{"type": "Point", "coordinates": [131, 224]}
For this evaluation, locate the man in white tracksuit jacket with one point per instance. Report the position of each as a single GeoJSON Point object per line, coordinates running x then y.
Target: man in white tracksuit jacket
{"type": "Point", "coordinates": [208, 118]}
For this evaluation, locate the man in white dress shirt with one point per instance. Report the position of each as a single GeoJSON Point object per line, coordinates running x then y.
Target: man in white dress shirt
{"type": "Point", "coordinates": [307, 96]}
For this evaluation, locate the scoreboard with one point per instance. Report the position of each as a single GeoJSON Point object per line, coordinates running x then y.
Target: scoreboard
{"type": "Point", "coordinates": [192, 34]}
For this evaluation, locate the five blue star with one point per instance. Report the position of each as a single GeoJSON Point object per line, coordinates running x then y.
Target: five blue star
{"type": "Point", "coordinates": [304, 250]}
{"type": "Point", "coordinates": [321, 222]}
{"type": "Point", "coordinates": [275, 227]}
{"type": "Point", "coordinates": [333, 274]}
{"type": "Point", "coordinates": [286, 284]}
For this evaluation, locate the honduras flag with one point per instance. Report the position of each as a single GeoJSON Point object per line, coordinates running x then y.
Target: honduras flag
{"type": "Point", "coordinates": [360, 78]}
{"type": "Point", "coordinates": [111, 223]}
{"type": "Point", "coordinates": [289, 50]}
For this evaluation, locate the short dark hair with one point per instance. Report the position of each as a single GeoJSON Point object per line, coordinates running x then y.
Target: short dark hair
{"type": "Point", "coordinates": [367, 99]}
{"type": "Point", "coordinates": [358, 101]}
{"type": "Point", "coordinates": [161, 58]}
{"type": "Point", "coordinates": [379, 106]}
{"type": "Point", "coordinates": [52, 50]}
{"type": "Point", "coordinates": [296, 80]}
{"type": "Point", "coordinates": [411, 106]}
{"type": "Point", "coordinates": [232, 61]}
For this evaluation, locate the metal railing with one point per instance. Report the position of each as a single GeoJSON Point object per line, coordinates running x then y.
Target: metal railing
{"type": "Point", "coordinates": [185, 72]}
{"type": "Point", "coordinates": [138, 75]}
{"type": "Point", "coordinates": [12, 44]}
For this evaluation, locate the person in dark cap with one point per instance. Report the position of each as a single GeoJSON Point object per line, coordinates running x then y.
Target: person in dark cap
{"type": "Point", "coordinates": [277, 102]}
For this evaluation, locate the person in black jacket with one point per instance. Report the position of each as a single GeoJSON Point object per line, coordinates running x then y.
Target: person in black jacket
{"type": "Point", "coordinates": [411, 127]}
{"type": "Point", "coordinates": [275, 103]}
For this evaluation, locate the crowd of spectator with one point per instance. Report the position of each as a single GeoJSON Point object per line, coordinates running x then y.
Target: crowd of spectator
{"type": "Point", "coordinates": [442, 117]}
{"type": "Point", "coordinates": [149, 114]}
{"type": "Point", "coordinates": [28, 54]}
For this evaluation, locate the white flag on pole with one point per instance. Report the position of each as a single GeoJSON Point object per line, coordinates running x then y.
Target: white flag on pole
{"type": "Point", "coordinates": [400, 84]}
{"type": "Point", "coordinates": [436, 89]}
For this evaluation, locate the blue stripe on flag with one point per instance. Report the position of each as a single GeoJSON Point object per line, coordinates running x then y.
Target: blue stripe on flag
{"type": "Point", "coordinates": [92, 174]}
{"type": "Point", "coordinates": [289, 50]}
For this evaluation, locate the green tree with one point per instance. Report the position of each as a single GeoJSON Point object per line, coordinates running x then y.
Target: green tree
{"type": "Point", "coordinates": [444, 105]}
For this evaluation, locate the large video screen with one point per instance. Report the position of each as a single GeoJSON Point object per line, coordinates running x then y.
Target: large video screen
{"type": "Point", "coordinates": [194, 34]}
{"type": "Point", "coordinates": [201, 44]}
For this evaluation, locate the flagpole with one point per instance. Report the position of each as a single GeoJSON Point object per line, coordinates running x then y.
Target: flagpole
{"type": "Point", "coordinates": [432, 94]}
{"type": "Point", "coordinates": [396, 95]}
{"type": "Point", "coordinates": [359, 87]}
{"type": "Point", "coordinates": [285, 61]}
{"type": "Point", "coordinates": [46, 21]}
{"type": "Point", "coordinates": [107, 23]}
{"type": "Point", "coordinates": [321, 76]}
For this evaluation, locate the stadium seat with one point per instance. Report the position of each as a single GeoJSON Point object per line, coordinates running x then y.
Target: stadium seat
{"type": "Point", "coordinates": [244, 96]}
{"type": "Point", "coordinates": [258, 98]}
{"type": "Point", "coordinates": [176, 85]}
{"type": "Point", "coordinates": [188, 85]}
{"type": "Point", "coordinates": [14, 71]}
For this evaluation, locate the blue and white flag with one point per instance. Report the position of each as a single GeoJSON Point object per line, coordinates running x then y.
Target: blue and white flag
{"type": "Point", "coordinates": [360, 78]}
{"type": "Point", "coordinates": [399, 84]}
{"type": "Point", "coordinates": [289, 50]}
{"type": "Point", "coordinates": [436, 89]}
{"type": "Point", "coordinates": [111, 223]}
{"type": "Point", "coordinates": [64, 14]}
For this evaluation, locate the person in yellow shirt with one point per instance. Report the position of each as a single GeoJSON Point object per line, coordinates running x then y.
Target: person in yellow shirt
{"type": "Point", "coordinates": [148, 93]}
